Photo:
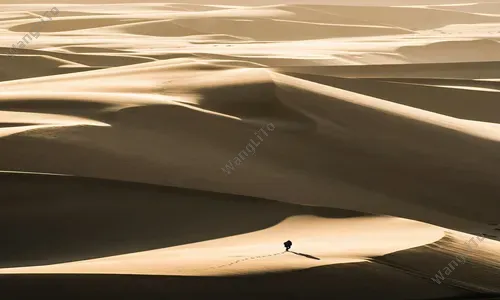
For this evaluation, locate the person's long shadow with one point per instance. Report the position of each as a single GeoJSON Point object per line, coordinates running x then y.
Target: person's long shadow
{"type": "Point", "coordinates": [305, 255]}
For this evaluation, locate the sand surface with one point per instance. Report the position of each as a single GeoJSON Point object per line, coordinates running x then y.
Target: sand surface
{"type": "Point", "coordinates": [190, 140]}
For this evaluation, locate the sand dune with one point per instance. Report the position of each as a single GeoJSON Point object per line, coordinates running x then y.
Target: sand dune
{"type": "Point", "coordinates": [192, 140]}
{"type": "Point", "coordinates": [118, 209]}
{"type": "Point", "coordinates": [476, 268]}
{"type": "Point", "coordinates": [136, 217]}
{"type": "Point", "coordinates": [482, 8]}
{"type": "Point", "coordinates": [20, 66]}
{"type": "Point", "coordinates": [139, 215]}
{"type": "Point", "coordinates": [284, 29]}
{"type": "Point", "coordinates": [407, 17]}
{"type": "Point", "coordinates": [281, 100]}
{"type": "Point", "coordinates": [464, 70]}
{"type": "Point", "coordinates": [465, 99]}
{"type": "Point", "coordinates": [21, 121]}
{"type": "Point", "coordinates": [464, 51]}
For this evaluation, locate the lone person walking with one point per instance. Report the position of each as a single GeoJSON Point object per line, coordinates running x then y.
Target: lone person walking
{"type": "Point", "coordinates": [288, 245]}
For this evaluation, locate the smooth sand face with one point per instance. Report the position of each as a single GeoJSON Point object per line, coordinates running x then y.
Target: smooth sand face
{"type": "Point", "coordinates": [390, 110]}
{"type": "Point", "coordinates": [316, 242]}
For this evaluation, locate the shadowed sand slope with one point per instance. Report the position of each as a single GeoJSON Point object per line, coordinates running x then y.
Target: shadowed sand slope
{"type": "Point", "coordinates": [465, 70]}
{"type": "Point", "coordinates": [68, 24]}
{"type": "Point", "coordinates": [466, 99]}
{"type": "Point", "coordinates": [453, 51]}
{"type": "Point", "coordinates": [293, 285]}
{"type": "Point", "coordinates": [284, 29]}
{"type": "Point", "coordinates": [471, 260]}
{"type": "Point", "coordinates": [56, 218]}
{"type": "Point", "coordinates": [22, 66]}
{"type": "Point", "coordinates": [72, 218]}
{"type": "Point", "coordinates": [343, 139]}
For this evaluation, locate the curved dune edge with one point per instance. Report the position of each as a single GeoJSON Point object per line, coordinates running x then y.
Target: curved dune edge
{"type": "Point", "coordinates": [157, 103]}
{"type": "Point", "coordinates": [338, 243]}
{"type": "Point", "coordinates": [183, 84]}
{"type": "Point", "coordinates": [317, 242]}
{"type": "Point", "coordinates": [46, 119]}
{"type": "Point", "coordinates": [351, 35]}
{"type": "Point", "coordinates": [4, 132]}
{"type": "Point", "coordinates": [40, 121]}
{"type": "Point", "coordinates": [486, 130]}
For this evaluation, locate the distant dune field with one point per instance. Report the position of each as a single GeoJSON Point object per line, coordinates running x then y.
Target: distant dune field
{"type": "Point", "coordinates": [152, 150]}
